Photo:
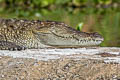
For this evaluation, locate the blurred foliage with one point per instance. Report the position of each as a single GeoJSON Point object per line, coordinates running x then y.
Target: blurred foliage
{"type": "Point", "coordinates": [28, 7]}
{"type": "Point", "coordinates": [55, 3]}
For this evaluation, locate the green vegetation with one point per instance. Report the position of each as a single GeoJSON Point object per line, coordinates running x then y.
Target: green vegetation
{"type": "Point", "coordinates": [79, 26]}
{"type": "Point", "coordinates": [101, 16]}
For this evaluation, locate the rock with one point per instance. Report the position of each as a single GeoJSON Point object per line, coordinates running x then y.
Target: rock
{"type": "Point", "coordinates": [101, 63]}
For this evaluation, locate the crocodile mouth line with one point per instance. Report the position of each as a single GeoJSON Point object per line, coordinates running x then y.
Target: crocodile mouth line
{"type": "Point", "coordinates": [82, 41]}
{"type": "Point", "coordinates": [65, 37]}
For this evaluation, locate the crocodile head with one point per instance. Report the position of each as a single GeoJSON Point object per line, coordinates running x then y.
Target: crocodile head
{"type": "Point", "coordinates": [90, 39]}
{"type": "Point", "coordinates": [69, 40]}
{"type": "Point", "coordinates": [61, 35]}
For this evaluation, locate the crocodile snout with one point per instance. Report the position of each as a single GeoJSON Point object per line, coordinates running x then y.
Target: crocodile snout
{"type": "Point", "coordinates": [97, 37]}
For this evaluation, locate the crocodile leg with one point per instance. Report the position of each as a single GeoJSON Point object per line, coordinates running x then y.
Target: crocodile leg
{"type": "Point", "coordinates": [4, 45]}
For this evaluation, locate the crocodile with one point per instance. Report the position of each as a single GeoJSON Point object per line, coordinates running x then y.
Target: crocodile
{"type": "Point", "coordinates": [20, 34]}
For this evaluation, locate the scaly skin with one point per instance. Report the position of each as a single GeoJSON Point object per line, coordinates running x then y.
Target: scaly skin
{"type": "Point", "coordinates": [22, 34]}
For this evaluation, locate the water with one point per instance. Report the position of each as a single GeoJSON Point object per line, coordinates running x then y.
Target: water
{"type": "Point", "coordinates": [105, 22]}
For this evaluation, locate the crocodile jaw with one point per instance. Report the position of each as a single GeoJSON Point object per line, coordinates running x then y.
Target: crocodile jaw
{"type": "Point", "coordinates": [53, 40]}
{"type": "Point", "coordinates": [92, 42]}
{"type": "Point", "coordinates": [92, 39]}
